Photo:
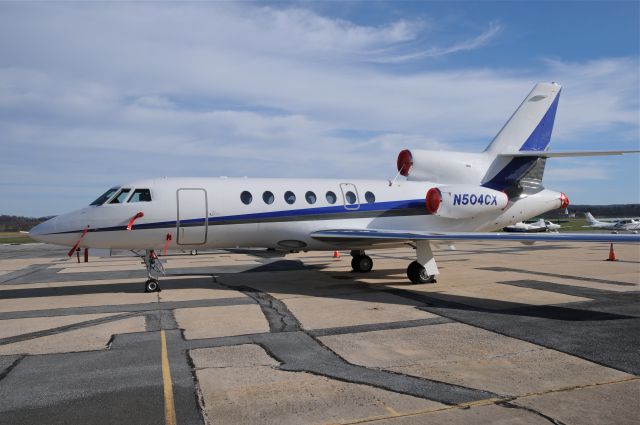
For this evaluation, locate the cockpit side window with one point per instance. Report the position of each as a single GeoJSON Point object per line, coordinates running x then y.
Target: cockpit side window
{"type": "Point", "coordinates": [121, 196]}
{"type": "Point", "coordinates": [141, 195]}
{"type": "Point", "coordinates": [105, 197]}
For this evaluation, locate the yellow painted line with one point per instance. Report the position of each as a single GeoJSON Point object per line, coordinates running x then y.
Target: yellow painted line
{"type": "Point", "coordinates": [169, 405]}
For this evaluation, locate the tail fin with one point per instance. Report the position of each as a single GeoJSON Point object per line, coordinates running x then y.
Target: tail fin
{"type": "Point", "coordinates": [590, 218]}
{"type": "Point", "coordinates": [529, 128]}
{"type": "Point", "coordinates": [541, 223]}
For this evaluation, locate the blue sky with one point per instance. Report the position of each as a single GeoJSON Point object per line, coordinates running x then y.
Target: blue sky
{"type": "Point", "coordinates": [97, 94]}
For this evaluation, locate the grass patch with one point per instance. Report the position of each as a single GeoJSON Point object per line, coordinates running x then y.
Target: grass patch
{"type": "Point", "coordinates": [572, 225]}
{"type": "Point", "coordinates": [15, 237]}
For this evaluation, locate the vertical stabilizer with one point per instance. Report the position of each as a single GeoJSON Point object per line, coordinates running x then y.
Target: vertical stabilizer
{"type": "Point", "coordinates": [590, 219]}
{"type": "Point", "coordinates": [529, 128]}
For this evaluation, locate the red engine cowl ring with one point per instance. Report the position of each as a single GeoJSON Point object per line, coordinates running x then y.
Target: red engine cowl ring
{"type": "Point", "coordinates": [564, 201]}
{"type": "Point", "coordinates": [405, 162]}
{"type": "Point", "coordinates": [433, 200]}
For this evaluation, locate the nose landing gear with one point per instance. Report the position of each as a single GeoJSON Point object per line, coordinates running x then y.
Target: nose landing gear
{"type": "Point", "coordinates": [153, 264]}
{"type": "Point", "coordinates": [151, 285]}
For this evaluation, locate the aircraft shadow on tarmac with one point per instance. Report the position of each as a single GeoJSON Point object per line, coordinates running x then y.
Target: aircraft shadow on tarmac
{"type": "Point", "coordinates": [354, 290]}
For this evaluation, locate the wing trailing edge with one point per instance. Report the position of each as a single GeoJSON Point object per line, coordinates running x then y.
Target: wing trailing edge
{"type": "Point", "coordinates": [371, 235]}
{"type": "Point", "coordinates": [569, 154]}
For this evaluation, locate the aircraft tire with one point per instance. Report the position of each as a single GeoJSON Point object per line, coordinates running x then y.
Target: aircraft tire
{"type": "Point", "coordinates": [417, 274]}
{"type": "Point", "coordinates": [362, 264]}
{"type": "Point", "coordinates": [151, 286]}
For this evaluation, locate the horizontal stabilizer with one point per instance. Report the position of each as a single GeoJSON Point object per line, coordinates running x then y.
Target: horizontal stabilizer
{"type": "Point", "coordinates": [373, 236]}
{"type": "Point", "coordinates": [565, 154]}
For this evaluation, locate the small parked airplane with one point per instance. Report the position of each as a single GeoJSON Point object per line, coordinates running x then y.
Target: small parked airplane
{"type": "Point", "coordinates": [617, 225]}
{"type": "Point", "coordinates": [541, 225]}
{"type": "Point", "coordinates": [447, 196]}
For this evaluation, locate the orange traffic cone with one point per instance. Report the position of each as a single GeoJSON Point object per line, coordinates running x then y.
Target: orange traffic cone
{"type": "Point", "coordinates": [612, 254]}
{"type": "Point", "coordinates": [336, 254]}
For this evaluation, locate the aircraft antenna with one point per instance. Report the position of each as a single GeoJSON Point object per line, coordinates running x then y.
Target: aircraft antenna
{"type": "Point", "coordinates": [391, 182]}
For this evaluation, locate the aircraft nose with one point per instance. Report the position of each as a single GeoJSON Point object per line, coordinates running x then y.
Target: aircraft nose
{"type": "Point", "coordinates": [42, 230]}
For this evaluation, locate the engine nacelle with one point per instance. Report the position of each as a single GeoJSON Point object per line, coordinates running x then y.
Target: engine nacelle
{"type": "Point", "coordinates": [464, 201]}
{"type": "Point", "coordinates": [442, 166]}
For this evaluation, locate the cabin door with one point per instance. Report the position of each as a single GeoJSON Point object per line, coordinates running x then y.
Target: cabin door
{"type": "Point", "coordinates": [350, 196]}
{"type": "Point", "coordinates": [192, 216]}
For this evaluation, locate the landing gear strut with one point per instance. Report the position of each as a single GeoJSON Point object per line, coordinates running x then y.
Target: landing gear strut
{"type": "Point", "coordinates": [424, 270]}
{"type": "Point", "coordinates": [153, 264]}
{"type": "Point", "coordinates": [361, 262]}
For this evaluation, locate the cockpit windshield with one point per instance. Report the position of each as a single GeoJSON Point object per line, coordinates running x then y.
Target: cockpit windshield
{"type": "Point", "coordinates": [120, 197]}
{"type": "Point", "coordinates": [141, 195]}
{"type": "Point", "coordinates": [105, 197]}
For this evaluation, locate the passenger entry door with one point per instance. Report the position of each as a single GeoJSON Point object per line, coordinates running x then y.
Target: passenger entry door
{"type": "Point", "coordinates": [350, 196]}
{"type": "Point", "coordinates": [192, 216]}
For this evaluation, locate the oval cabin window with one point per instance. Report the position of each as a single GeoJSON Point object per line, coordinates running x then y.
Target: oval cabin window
{"type": "Point", "coordinates": [331, 197]}
{"type": "Point", "coordinates": [350, 197]}
{"type": "Point", "coordinates": [310, 197]}
{"type": "Point", "coordinates": [370, 197]}
{"type": "Point", "coordinates": [246, 197]}
{"type": "Point", "coordinates": [289, 197]}
{"type": "Point", "coordinates": [268, 197]}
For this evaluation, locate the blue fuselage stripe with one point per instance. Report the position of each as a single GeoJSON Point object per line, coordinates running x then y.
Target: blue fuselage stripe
{"type": "Point", "coordinates": [398, 208]}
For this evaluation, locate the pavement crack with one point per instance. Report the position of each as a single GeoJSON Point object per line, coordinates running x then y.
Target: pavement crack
{"type": "Point", "coordinates": [275, 311]}
{"type": "Point", "coordinates": [557, 275]}
{"type": "Point", "coordinates": [125, 308]}
{"type": "Point", "coordinates": [111, 338]}
{"type": "Point", "coordinates": [197, 389]}
{"type": "Point", "coordinates": [509, 405]}
{"type": "Point", "coordinates": [34, 268]}
{"type": "Point", "coordinates": [12, 366]}
{"type": "Point", "coordinates": [299, 352]}
{"type": "Point", "coordinates": [65, 328]}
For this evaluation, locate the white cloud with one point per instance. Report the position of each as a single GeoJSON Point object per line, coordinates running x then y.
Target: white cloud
{"type": "Point", "coordinates": [578, 173]}
{"type": "Point", "coordinates": [460, 46]}
{"type": "Point", "coordinates": [224, 88]}
{"type": "Point", "coordinates": [598, 96]}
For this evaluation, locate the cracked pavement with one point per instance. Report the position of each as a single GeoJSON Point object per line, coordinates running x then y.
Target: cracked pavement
{"type": "Point", "coordinates": [547, 337]}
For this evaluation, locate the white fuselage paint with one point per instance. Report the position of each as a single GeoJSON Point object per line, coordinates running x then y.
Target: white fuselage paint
{"type": "Point", "coordinates": [231, 223]}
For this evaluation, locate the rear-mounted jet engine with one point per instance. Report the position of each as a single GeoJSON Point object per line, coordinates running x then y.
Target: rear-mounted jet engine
{"type": "Point", "coordinates": [464, 201]}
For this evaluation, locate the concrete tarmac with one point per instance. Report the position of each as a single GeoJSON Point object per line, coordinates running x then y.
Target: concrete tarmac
{"type": "Point", "coordinates": [538, 334]}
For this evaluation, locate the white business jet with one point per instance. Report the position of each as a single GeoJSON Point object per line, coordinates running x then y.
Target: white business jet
{"type": "Point", "coordinates": [541, 225]}
{"type": "Point", "coordinates": [447, 196]}
{"type": "Point", "coordinates": [628, 224]}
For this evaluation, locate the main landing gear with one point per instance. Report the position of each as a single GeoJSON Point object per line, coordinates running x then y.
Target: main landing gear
{"type": "Point", "coordinates": [418, 274]}
{"type": "Point", "coordinates": [153, 264]}
{"type": "Point", "coordinates": [361, 262]}
{"type": "Point", "coordinates": [424, 269]}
